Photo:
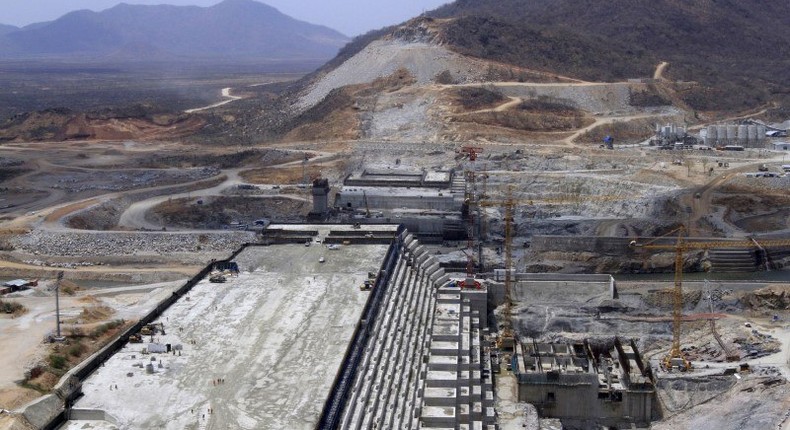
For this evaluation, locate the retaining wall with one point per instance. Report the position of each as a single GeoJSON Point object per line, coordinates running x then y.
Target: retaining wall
{"type": "Point", "coordinates": [333, 408]}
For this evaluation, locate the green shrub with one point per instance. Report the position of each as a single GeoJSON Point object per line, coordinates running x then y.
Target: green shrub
{"type": "Point", "coordinates": [11, 307]}
{"type": "Point", "coordinates": [76, 349]}
{"type": "Point", "coordinates": [102, 329]}
{"type": "Point", "coordinates": [57, 361]}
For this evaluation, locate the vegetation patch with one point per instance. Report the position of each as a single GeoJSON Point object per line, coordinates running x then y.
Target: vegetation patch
{"type": "Point", "coordinates": [103, 329]}
{"type": "Point", "coordinates": [647, 98]}
{"type": "Point", "coordinates": [475, 98]}
{"type": "Point", "coordinates": [77, 346]}
{"type": "Point", "coordinates": [544, 104]}
{"type": "Point", "coordinates": [632, 131]}
{"type": "Point", "coordinates": [220, 212]}
{"type": "Point", "coordinates": [10, 173]}
{"type": "Point", "coordinates": [543, 114]}
{"type": "Point", "coordinates": [12, 307]}
{"type": "Point", "coordinates": [221, 161]}
{"type": "Point", "coordinates": [737, 69]}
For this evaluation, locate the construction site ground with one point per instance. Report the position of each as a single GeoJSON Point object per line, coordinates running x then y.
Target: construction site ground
{"type": "Point", "coordinates": [144, 212]}
{"type": "Point", "coordinates": [259, 351]}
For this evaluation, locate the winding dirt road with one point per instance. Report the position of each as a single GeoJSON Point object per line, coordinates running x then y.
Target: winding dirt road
{"type": "Point", "coordinates": [225, 93]}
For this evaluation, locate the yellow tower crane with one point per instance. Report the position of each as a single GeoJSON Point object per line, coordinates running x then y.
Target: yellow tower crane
{"type": "Point", "coordinates": [507, 338]}
{"type": "Point", "coordinates": [675, 358]}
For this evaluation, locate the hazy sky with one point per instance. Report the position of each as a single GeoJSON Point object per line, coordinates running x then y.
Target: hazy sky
{"type": "Point", "coordinates": [351, 17]}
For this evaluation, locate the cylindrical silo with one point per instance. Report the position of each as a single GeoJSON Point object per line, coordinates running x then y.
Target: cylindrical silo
{"type": "Point", "coordinates": [712, 137]}
{"type": "Point", "coordinates": [760, 132]}
{"type": "Point", "coordinates": [721, 129]}
{"type": "Point", "coordinates": [732, 133]}
{"type": "Point", "coordinates": [743, 134]}
{"type": "Point", "coordinates": [752, 133]}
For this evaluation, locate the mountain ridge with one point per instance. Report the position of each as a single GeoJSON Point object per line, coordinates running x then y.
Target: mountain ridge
{"type": "Point", "coordinates": [5, 29]}
{"type": "Point", "coordinates": [234, 29]}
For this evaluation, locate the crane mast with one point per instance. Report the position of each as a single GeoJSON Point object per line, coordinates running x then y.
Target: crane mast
{"type": "Point", "coordinates": [508, 338]}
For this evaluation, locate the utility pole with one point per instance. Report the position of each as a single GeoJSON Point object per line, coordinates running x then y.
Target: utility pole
{"type": "Point", "coordinates": [304, 169]}
{"type": "Point", "coordinates": [58, 336]}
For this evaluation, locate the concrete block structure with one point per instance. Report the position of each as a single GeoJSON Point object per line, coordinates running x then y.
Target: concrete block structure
{"type": "Point", "coordinates": [320, 193]}
{"type": "Point", "coordinates": [458, 389]}
{"type": "Point", "coordinates": [577, 381]}
{"type": "Point", "coordinates": [428, 203]}
{"type": "Point", "coordinates": [301, 343]}
{"type": "Point", "coordinates": [354, 197]}
{"type": "Point", "coordinates": [427, 367]}
{"type": "Point", "coordinates": [400, 178]}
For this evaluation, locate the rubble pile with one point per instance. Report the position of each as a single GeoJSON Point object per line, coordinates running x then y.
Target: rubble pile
{"type": "Point", "coordinates": [769, 298]}
{"type": "Point", "coordinates": [76, 182]}
{"type": "Point", "coordinates": [757, 344]}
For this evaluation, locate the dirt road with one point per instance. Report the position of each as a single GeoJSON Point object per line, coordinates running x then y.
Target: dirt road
{"type": "Point", "coordinates": [702, 206]}
{"type": "Point", "coordinates": [225, 93]}
{"type": "Point", "coordinates": [599, 121]}
{"type": "Point", "coordinates": [659, 73]}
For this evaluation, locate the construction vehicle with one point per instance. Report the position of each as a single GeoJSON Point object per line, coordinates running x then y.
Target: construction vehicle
{"type": "Point", "coordinates": [217, 279]}
{"type": "Point", "coordinates": [675, 359]}
{"type": "Point", "coordinates": [368, 284]}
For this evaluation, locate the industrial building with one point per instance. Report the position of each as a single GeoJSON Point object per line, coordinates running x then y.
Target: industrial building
{"type": "Point", "coordinates": [428, 203]}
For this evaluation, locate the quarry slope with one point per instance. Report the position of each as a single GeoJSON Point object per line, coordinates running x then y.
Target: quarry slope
{"type": "Point", "coordinates": [443, 95]}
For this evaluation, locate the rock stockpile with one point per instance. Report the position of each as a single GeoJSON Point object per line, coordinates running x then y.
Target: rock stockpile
{"type": "Point", "coordinates": [99, 244]}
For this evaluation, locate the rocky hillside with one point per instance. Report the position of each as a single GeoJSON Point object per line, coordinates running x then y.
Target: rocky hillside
{"type": "Point", "coordinates": [407, 83]}
{"type": "Point", "coordinates": [532, 59]}
{"type": "Point", "coordinates": [578, 55]}
{"type": "Point", "coordinates": [623, 39]}
{"type": "Point", "coordinates": [233, 29]}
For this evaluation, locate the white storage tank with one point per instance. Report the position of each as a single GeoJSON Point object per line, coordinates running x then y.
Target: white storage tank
{"type": "Point", "coordinates": [721, 129]}
{"type": "Point", "coordinates": [743, 134]}
{"type": "Point", "coordinates": [732, 133]}
{"type": "Point", "coordinates": [760, 132]}
{"type": "Point", "coordinates": [752, 133]}
{"type": "Point", "coordinates": [712, 136]}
